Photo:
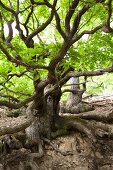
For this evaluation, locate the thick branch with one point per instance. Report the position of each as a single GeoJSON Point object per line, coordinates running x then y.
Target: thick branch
{"type": "Point", "coordinates": [73, 91]}
{"type": "Point", "coordinates": [109, 15]}
{"type": "Point", "coordinates": [60, 55]}
{"type": "Point", "coordinates": [2, 36]}
{"type": "Point", "coordinates": [78, 18]}
{"type": "Point", "coordinates": [69, 15]}
{"type": "Point", "coordinates": [10, 35]}
{"type": "Point", "coordinates": [79, 74]}
{"type": "Point", "coordinates": [85, 73]}
{"type": "Point", "coordinates": [58, 26]}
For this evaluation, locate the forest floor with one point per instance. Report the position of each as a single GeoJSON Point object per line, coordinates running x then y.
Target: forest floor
{"type": "Point", "coordinates": [80, 152]}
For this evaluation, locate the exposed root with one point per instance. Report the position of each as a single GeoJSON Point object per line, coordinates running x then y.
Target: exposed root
{"type": "Point", "coordinates": [103, 116]}
{"type": "Point", "coordinates": [38, 154]}
{"type": "Point", "coordinates": [69, 123]}
{"type": "Point", "coordinates": [55, 147]}
{"type": "Point", "coordinates": [75, 109]}
{"type": "Point", "coordinates": [92, 128]}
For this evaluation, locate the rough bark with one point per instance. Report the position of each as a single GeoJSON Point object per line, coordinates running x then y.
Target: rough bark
{"type": "Point", "coordinates": [74, 102]}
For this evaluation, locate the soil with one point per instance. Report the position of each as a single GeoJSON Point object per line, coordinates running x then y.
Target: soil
{"type": "Point", "coordinates": [72, 152]}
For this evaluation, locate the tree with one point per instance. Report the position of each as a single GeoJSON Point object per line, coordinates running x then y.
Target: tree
{"type": "Point", "coordinates": [41, 53]}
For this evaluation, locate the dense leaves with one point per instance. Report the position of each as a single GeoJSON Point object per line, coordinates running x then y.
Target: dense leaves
{"type": "Point", "coordinates": [50, 37]}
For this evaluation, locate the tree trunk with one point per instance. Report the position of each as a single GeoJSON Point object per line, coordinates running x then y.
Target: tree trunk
{"type": "Point", "coordinates": [74, 103]}
{"type": "Point", "coordinates": [75, 97]}
{"type": "Point", "coordinates": [44, 109]}
{"type": "Point", "coordinates": [52, 103]}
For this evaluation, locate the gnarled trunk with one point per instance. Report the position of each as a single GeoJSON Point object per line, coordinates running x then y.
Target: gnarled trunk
{"type": "Point", "coordinates": [75, 97]}
{"type": "Point", "coordinates": [44, 109]}
{"type": "Point", "coordinates": [74, 103]}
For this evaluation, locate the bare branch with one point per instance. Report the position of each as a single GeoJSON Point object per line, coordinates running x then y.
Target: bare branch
{"type": "Point", "coordinates": [41, 28]}
{"type": "Point", "coordinates": [2, 36]}
{"type": "Point", "coordinates": [17, 11]}
{"type": "Point", "coordinates": [58, 25]}
{"type": "Point", "coordinates": [73, 91]}
{"type": "Point", "coordinates": [7, 8]}
{"type": "Point", "coordinates": [19, 104]}
{"type": "Point", "coordinates": [25, 8]}
{"type": "Point", "coordinates": [85, 73]}
{"type": "Point", "coordinates": [16, 74]}
{"type": "Point", "coordinates": [19, 62]}
{"type": "Point", "coordinates": [75, 84]}
{"type": "Point", "coordinates": [60, 55]}
{"type": "Point", "coordinates": [29, 15]}
{"type": "Point", "coordinates": [10, 35]}
{"type": "Point", "coordinates": [69, 15]}
{"type": "Point", "coordinates": [77, 37]}
{"type": "Point", "coordinates": [15, 92]}
{"type": "Point", "coordinates": [78, 18]}
{"type": "Point", "coordinates": [19, 29]}
{"type": "Point", "coordinates": [37, 3]}
{"type": "Point", "coordinates": [10, 4]}
{"type": "Point", "coordinates": [109, 15]}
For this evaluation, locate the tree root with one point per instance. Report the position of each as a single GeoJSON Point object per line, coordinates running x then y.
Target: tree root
{"type": "Point", "coordinates": [79, 108]}
{"type": "Point", "coordinates": [13, 125]}
{"type": "Point", "coordinates": [92, 128]}
{"type": "Point", "coordinates": [69, 123]}
{"type": "Point", "coordinates": [105, 116]}
{"type": "Point", "coordinates": [38, 154]}
{"type": "Point", "coordinates": [55, 147]}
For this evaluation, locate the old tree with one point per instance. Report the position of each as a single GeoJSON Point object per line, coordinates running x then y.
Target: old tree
{"type": "Point", "coordinates": [43, 44]}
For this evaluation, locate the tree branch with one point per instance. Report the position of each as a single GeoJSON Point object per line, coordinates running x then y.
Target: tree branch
{"type": "Point", "coordinates": [69, 15]}
{"type": "Point", "coordinates": [78, 18]}
{"type": "Point", "coordinates": [58, 26]}
{"type": "Point", "coordinates": [77, 37]}
{"type": "Point", "coordinates": [10, 35]}
{"type": "Point", "coordinates": [85, 73]}
{"type": "Point", "coordinates": [19, 29]}
{"type": "Point", "coordinates": [2, 36]}
{"type": "Point", "coordinates": [7, 8]}
{"type": "Point", "coordinates": [17, 105]}
{"type": "Point", "coordinates": [19, 62]}
{"type": "Point", "coordinates": [73, 91]}
{"type": "Point", "coordinates": [41, 28]}
{"type": "Point", "coordinates": [109, 15]}
{"type": "Point", "coordinates": [15, 92]}
{"type": "Point", "coordinates": [37, 3]}
{"type": "Point", "coordinates": [28, 17]}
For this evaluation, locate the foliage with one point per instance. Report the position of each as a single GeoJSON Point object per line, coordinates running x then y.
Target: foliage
{"type": "Point", "coordinates": [34, 34]}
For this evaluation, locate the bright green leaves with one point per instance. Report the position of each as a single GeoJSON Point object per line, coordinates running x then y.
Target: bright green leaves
{"type": "Point", "coordinates": [96, 51]}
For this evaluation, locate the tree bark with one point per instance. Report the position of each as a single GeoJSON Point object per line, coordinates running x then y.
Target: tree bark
{"type": "Point", "coordinates": [74, 103]}
{"type": "Point", "coordinates": [74, 97]}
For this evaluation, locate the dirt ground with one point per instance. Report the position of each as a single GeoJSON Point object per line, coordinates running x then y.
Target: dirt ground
{"type": "Point", "coordinates": [75, 151]}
